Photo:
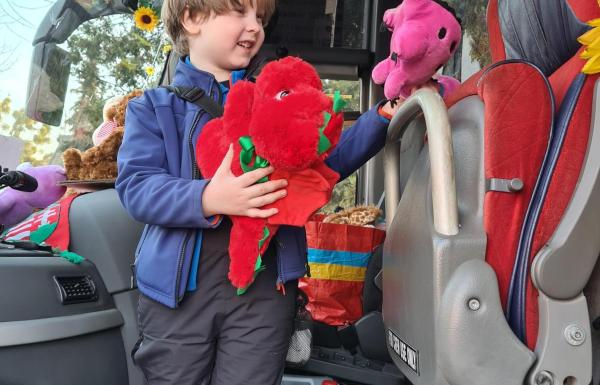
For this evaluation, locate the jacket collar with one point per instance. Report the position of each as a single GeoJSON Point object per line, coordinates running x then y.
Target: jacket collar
{"type": "Point", "coordinates": [186, 75]}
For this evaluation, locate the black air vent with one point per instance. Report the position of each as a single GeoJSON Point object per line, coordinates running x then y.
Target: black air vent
{"type": "Point", "coordinates": [76, 289]}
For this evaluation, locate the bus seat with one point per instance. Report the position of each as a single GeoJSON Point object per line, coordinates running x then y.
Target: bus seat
{"type": "Point", "coordinates": [501, 302]}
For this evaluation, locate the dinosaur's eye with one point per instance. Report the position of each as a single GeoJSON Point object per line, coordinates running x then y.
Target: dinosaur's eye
{"type": "Point", "coordinates": [282, 94]}
{"type": "Point", "coordinates": [442, 33]}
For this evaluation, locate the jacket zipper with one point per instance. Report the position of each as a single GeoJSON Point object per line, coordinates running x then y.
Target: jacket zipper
{"type": "Point", "coordinates": [195, 175]}
{"type": "Point", "coordinates": [279, 271]}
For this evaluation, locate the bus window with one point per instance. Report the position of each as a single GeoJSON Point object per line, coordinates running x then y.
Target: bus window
{"type": "Point", "coordinates": [349, 90]}
{"type": "Point", "coordinates": [474, 53]}
{"type": "Point", "coordinates": [344, 194]}
{"type": "Point", "coordinates": [320, 23]}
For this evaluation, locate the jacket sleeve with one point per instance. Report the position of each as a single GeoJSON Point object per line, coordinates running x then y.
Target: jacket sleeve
{"type": "Point", "coordinates": [148, 192]}
{"type": "Point", "coordinates": [359, 143]}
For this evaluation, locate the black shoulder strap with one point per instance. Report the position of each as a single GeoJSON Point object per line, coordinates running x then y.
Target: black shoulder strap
{"type": "Point", "coordinates": [199, 98]}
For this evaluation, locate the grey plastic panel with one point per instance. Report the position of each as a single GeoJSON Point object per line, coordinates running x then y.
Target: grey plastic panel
{"type": "Point", "coordinates": [417, 261]}
{"type": "Point", "coordinates": [563, 267]}
{"type": "Point", "coordinates": [28, 290]}
{"type": "Point", "coordinates": [476, 345]}
{"type": "Point", "coordinates": [91, 359]}
{"type": "Point", "coordinates": [560, 353]}
{"type": "Point", "coordinates": [56, 328]}
{"type": "Point", "coordinates": [126, 302]}
{"type": "Point", "coordinates": [410, 148]}
{"type": "Point", "coordinates": [103, 232]}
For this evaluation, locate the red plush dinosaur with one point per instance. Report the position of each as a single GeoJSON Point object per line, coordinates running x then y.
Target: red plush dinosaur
{"type": "Point", "coordinates": [286, 121]}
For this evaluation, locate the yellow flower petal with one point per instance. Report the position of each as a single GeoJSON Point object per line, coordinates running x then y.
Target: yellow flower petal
{"type": "Point", "coordinates": [149, 70]}
{"type": "Point", "coordinates": [589, 53]}
{"type": "Point", "coordinates": [167, 48]}
{"type": "Point", "coordinates": [145, 19]}
{"type": "Point", "coordinates": [589, 37]}
{"type": "Point", "coordinates": [594, 23]}
{"type": "Point", "coordinates": [592, 66]}
{"type": "Point", "coordinates": [595, 44]}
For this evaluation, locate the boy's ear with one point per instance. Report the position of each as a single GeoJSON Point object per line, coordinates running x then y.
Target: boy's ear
{"type": "Point", "coordinates": [191, 22]}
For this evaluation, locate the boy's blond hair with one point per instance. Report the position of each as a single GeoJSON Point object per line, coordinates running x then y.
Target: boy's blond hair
{"type": "Point", "coordinates": [172, 13]}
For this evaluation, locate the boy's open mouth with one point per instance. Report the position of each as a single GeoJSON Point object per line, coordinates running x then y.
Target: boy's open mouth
{"type": "Point", "coordinates": [246, 44]}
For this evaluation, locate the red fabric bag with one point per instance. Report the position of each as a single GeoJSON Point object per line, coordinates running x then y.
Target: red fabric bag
{"type": "Point", "coordinates": [338, 256]}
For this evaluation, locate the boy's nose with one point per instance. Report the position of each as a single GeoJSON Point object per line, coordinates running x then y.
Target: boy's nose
{"type": "Point", "coordinates": [253, 25]}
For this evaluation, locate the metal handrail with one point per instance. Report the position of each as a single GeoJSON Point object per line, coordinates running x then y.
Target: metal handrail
{"type": "Point", "coordinates": [443, 183]}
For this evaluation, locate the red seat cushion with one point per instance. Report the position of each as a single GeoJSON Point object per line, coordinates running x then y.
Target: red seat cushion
{"type": "Point", "coordinates": [518, 118]}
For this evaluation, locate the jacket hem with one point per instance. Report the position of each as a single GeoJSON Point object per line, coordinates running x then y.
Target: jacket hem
{"type": "Point", "coordinates": [165, 299]}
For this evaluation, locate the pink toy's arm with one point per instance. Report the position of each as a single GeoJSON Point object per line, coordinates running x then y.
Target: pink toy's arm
{"type": "Point", "coordinates": [388, 18]}
{"type": "Point", "coordinates": [382, 71]}
{"type": "Point", "coordinates": [448, 83]}
{"type": "Point", "coordinates": [397, 84]}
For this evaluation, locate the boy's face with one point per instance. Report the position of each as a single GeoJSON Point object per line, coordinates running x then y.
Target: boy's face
{"type": "Point", "coordinates": [228, 41]}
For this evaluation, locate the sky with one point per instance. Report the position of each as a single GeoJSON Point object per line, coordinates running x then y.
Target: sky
{"type": "Point", "coordinates": [18, 23]}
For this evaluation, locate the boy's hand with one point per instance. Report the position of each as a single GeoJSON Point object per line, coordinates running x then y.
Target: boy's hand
{"type": "Point", "coordinates": [239, 195]}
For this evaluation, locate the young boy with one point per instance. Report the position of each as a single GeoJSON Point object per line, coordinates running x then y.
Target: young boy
{"type": "Point", "coordinates": [195, 328]}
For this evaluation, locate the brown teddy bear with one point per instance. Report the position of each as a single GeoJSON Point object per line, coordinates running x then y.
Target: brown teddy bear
{"type": "Point", "coordinates": [100, 162]}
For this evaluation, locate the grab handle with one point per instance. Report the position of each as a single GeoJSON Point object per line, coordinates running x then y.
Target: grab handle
{"type": "Point", "coordinates": [441, 155]}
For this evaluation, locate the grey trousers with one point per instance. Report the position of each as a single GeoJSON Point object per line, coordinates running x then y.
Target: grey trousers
{"type": "Point", "coordinates": [216, 337]}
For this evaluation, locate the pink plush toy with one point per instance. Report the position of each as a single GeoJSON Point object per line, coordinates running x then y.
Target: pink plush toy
{"type": "Point", "coordinates": [425, 34]}
{"type": "Point", "coordinates": [15, 205]}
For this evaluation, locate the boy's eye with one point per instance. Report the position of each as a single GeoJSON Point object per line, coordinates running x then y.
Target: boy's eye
{"type": "Point", "coordinates": [282, 94]}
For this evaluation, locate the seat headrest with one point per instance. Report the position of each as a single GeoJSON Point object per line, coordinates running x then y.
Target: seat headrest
{"type": "Point", "coordinates": [543, 32]}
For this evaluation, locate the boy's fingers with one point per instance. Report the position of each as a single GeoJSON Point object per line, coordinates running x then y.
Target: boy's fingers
{"type": "Point", "coordinates": [260, 189]}
{"type": "Point", "coordinates": [254, 176]}
{"type": "Point", "coordinates": [264, 200]}
{"type": "Point", "coordinates": [225, 166]}
{"type": "Point", "coordinates": [258, 213]}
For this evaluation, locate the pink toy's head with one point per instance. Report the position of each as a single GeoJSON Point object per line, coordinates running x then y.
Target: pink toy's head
{"type": "Point", "coordinates": [425, 34]}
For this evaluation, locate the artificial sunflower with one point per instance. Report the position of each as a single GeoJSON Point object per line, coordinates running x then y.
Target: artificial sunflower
{"type": "Point", "coordinates": [145, 19]}
{"type": "Point", "coordinates": [591, 39]}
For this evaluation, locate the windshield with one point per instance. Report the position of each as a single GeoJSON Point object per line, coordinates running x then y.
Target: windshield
{"type": "Point", "coordinates": [109, 56]}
